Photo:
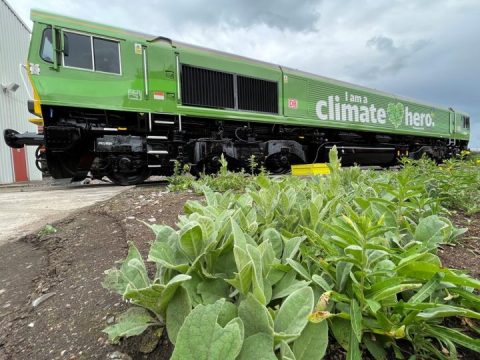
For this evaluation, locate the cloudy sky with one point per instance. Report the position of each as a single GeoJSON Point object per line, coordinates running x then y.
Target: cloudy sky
{"type": "Point", "coordinates": [424, 49]}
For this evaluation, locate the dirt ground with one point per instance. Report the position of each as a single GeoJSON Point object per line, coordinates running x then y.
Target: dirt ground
{"type": "Point", "coordinates": [465, 254]}
{"type": "Point", "coordinates": [69, 266]}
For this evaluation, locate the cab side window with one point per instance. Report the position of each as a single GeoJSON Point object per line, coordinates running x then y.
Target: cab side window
{"type": "Point", "coordinates": [88, 52]}
{"type": "Point", "coordinates": [79, 53]}
{"type": "Point", "coordinates": [106, 55]}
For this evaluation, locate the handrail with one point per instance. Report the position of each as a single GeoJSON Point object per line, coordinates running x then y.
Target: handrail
{"type": "Point", "coordinates": [20, 66]}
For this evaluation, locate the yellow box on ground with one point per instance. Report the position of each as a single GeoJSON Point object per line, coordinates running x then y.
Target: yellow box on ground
{"type": "Point", "coordinates": [310, 169]}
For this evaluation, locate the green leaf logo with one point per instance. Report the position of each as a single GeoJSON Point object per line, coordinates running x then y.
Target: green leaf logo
{"type": "Point", "coordinates": [396, 114]}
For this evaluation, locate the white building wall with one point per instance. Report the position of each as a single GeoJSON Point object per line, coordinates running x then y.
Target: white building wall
{"type": "Point", "coordinates": [14, 42]}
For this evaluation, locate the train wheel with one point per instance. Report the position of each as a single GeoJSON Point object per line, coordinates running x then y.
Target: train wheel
{"type": "Point", "coordinates": [280, 163]}
{"type": "Point", "coordinates": [129, 178]}
{"type": "Point", "coordinates": [128, 170]}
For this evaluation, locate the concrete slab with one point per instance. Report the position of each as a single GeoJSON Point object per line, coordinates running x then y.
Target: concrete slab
{"type": "Point", "coordinates": [23, 212]}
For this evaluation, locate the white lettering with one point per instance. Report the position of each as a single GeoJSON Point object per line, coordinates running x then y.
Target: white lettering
{"type": "Point", "coordinates": [330, 108]}
{"type": "Point", "coordinates": [428, 120]}
{"type": "Point", "coordinates": [364, 114]}
{"type": "Point", "coordinates": [349, 112]}
{"type": "Point", "coordinates": [373, 110]}
{"type": "Point", "coordinates": [339, 108]}
{"type": "Point", "coordinates": [416, 119]}
{"type": "Point", "coordinates": [381, 116]}
{"type": "Point", "coordinates": [320, 105]}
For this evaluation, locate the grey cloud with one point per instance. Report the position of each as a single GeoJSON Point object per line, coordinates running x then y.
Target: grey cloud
{"type": "Point", "coordinates": [382, 43]}
{"type": "Point", "coordinates": [281, 14]}
{"type": "Point", "coordinates": [391, 58]}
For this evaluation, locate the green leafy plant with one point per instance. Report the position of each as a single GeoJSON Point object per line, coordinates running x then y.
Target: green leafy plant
{"type": "Point", "coordinates": [222, 181]}
{"type": "Point", "coordinates": [272, 271]}
{"type": "Point", "coordinates": [47, 230]}
{"type": "Point", "coordinates": [456, 182]}
{"type": "Point", "coordinates": [181, 178]}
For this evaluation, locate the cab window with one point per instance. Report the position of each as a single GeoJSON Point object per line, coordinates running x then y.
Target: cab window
{"type": "Point", "coordinates": [46, 49]}
{"type": "Point", "coordinates": [466, 122]}
{"type": "Point", "coordinates": [91, 53]}
{"type": "Point", "coordinates": [106, 55]}
{"type": "Point", "coordinates": [78, 51]}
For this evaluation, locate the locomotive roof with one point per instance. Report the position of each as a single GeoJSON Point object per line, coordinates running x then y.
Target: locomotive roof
{"type": "Point", "coordinates": [88, 26]}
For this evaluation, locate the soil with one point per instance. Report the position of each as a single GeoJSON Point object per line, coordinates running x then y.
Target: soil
{"type": "Point", "coordinates": [464, 254]}
{"type": "Point", "coordinates": [69, 265]}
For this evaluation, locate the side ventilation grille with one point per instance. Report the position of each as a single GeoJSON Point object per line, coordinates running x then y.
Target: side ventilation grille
{"type": "Point", "coordinates": [216, 89]}
{"type": "Point", "coordinates": [257, 95]}
{"type": "Point", "coordinates": [202, 87]}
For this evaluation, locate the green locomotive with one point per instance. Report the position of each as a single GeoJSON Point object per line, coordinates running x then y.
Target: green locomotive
{"type": "Point", "coordinates": [123, 104]}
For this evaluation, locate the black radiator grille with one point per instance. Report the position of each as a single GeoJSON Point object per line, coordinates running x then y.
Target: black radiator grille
{"type": "Point", "coordinates": [202, 87]}
{"type": "Point", "coordinates": [257, 95]}
{"type": "Point", "coordinates": [211, 88]}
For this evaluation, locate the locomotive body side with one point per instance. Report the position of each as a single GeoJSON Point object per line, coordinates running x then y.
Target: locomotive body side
{"type": "Point", "coordinates": [122, 104]}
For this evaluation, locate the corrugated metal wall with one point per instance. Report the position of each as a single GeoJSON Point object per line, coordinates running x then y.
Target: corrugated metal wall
{"type": "Point", "coordinates": [14, 41]}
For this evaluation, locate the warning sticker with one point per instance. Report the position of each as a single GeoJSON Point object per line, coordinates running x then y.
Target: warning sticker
{"type": "Point", "coordinates": [293, 103]}
{"type": "Point", "coordinates": [158, 95]}
{"type": "Point", "coordinates": [134, 94]}
{"type": "Point", "coordinates": [138, 49]}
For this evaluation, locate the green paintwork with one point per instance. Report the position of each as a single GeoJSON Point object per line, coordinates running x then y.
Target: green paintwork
{"type": "Point", "coordinates": [302, 91]}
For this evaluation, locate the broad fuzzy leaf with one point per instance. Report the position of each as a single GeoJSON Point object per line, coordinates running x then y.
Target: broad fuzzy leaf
{"type": "Point", "coordinates": [259, 347]}
{"type": "Point", "coordinates": [275, 239]}
{"type": "Point", "coordinates": [299, 269]}
{"type": "Point", "coordinates": [132, 322]}
{"type": "Point", "coordinates": [257, 274]}
{"type": "Point", "coordinates": [132, 273]}
{"type": "Point", "coordinates": [312, 343]}
{"type": "Point", "coordinates": [155, 297]}
{"type": "Point", "coordinates": [286, 352]}
{"type": "Point", "coordinates": [191, 240]}
{"type": "Point", "coordinates": [167, 255]}
{"type": "Point", "coordinates": [202, 338]}
{"type": "Point", "coordinates": [341, 331]}
{"type": "Point", "coordinates": [431, 230]}
{"type": "Point", "coordinates": [164, 234]}
{"type": "Point", "coordinates": [255, 317]}
{"type": "Point", "coordinates": [343, 274]}
{"type": "Point", "coordinates": [287, 285]}
{"type": "Point", "coordinates": [212, 290]}
{"type": "Point", "coordinates": [177, 310]}
{"type": "Point", "coordinates": [292, 317]}
{"type": "Point", "coordinates": [291, 247]}
{"type": "Point", "coordinates": [243, 280]}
